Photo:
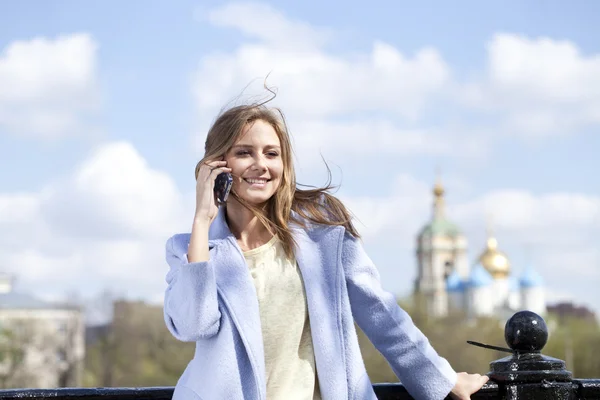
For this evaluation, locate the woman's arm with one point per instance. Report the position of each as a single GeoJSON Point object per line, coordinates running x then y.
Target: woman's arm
{"type": "Point", "coordinates": [191, 308]}
{"type": "Point", "coordinates": [421, 370]}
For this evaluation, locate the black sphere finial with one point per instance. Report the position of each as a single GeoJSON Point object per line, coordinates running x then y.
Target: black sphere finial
{"type": "Point", "coordinates": [526, 332]}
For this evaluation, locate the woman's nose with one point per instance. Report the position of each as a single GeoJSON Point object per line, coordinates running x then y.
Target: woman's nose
{"type": "Point", "coordinates": [260, 164]}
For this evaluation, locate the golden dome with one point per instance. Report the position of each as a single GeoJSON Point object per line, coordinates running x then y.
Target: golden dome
{"type": "Point", "coordinates": [495, 261]}
{"type": "Point", "coordinates": [438, 190]}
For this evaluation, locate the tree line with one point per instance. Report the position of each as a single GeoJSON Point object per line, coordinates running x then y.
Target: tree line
{"type": "Point", "coordinates": [136, 350]}
{"type": "Point", "coordinates": [139, 351]}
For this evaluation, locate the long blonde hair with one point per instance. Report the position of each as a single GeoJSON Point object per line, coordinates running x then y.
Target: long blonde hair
{"type": "Point", "coordinates": [315, 205]}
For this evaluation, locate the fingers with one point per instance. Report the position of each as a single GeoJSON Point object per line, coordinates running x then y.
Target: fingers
{"type": "Point", "coordinates": [467, 384]}
{"type": "Point", "coordinates": [204, 170]}
{"type": "Point", "coordinates": [479, 380]}
{"type": "Point", "coordinates": [216, 163]}
{"type": "Point", "coordinates": [216, 171]}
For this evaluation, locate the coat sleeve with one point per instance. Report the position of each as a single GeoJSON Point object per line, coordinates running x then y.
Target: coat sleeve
{"type": "Point", "coordinates": [191, 307]}
{"type": "Point", "coordinates": [421, 370]}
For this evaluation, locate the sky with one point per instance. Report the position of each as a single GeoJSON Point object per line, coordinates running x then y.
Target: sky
{"type": "Point", "coordinates": [104, 108]}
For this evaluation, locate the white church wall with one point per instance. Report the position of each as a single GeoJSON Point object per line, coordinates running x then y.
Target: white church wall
{"type": "Point", "coordinates": [501, 292]}
{"type": "Point", "coordinates": [533, 299]}
{"type": "Point", "coordinates": [480, 301]}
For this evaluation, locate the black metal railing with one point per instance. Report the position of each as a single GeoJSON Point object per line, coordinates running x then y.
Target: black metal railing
{"type": "Point", "coordinates": [526, 374]}
{"type": "Point", "coordinates": [588, 389]}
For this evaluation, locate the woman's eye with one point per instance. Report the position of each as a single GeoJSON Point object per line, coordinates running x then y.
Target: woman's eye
{"type": "Point", "coordinates": [273, 154]}
{"type": "Point", "coordinates": [242, 153]}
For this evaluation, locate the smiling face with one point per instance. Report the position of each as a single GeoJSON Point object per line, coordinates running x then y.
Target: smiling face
{"type": "Point", "coordinates": [256, 163]}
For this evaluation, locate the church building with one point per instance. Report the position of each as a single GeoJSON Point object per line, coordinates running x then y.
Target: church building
{"type": "Point", "coordinates": [449, 281]}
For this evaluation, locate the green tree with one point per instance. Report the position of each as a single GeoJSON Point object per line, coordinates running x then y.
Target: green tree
{"type": "Point", "coordinates": [12, 357]}
{"type": "Point", "coordinates": [571, 340]}
{"type": "Point", "coordinates": [136, 350]}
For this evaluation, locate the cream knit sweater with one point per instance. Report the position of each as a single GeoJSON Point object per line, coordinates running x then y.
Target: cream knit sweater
{"type": "Point", "coordinates": [289, 357]}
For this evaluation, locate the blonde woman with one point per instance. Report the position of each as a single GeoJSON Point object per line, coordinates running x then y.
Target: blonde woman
{"type": "Point", "coordinates": [270, 283]}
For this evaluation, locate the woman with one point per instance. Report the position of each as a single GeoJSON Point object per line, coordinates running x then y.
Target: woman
{"type": "Point", "coordinates": [270, 284]}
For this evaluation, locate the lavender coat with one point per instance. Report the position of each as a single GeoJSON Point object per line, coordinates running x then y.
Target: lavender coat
{"type": "Point", "coordinates": [214, 304]}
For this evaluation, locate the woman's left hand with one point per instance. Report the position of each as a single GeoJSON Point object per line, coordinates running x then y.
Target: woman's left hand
{"type": "Point", "coordinates": [467, 384]}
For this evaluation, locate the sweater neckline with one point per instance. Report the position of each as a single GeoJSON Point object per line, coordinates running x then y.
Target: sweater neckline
{"type": "Point", "coordinates": [261, 248]}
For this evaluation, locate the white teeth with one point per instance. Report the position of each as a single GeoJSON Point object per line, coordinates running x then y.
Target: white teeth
{"type": "Point", "coordinates": [256, 180]}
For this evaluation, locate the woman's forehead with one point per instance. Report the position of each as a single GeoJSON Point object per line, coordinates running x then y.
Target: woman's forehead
{"type": "Point", "coordinates": [258, 132]}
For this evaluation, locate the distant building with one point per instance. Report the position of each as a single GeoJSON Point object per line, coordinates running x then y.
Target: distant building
{"type": "Point", "coordinates": [43, 343]}
{"type": "Point", "coordinates": [447, 281]}
{"type": "Point", "coordinates": [569, 310]}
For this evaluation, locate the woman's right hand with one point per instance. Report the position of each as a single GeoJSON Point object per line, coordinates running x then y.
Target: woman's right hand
{"type": "Point", "coordinates": [467, 384]}
{"type": "Point", "coordinates": [206, 203]}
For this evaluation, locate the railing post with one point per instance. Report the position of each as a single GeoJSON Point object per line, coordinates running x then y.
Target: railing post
{"type": "Point", "coordinates": [528, 374]}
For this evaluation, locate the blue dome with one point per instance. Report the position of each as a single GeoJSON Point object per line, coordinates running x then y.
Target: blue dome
{"type": "Point", "coordinates": [480, 277]}
{"type": "Point", "coordinates": [531, 278]}
{"type": "Point", "coordinates": [454, 283]}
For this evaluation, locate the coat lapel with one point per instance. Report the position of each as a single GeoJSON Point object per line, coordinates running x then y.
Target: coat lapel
{"type": "Point", "coordinates": [322, 279]}
{"type": "Point", "coordinates": [237, 291]}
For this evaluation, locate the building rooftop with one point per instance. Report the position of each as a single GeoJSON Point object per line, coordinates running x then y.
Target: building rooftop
{"type": "Point", "coordinates": [480, 277]}
{"type": "Point", "coordinates": [454, 282]}
{"type": "Point", "coordinates": [22, 301]}
{"type": "Point", "coordinates": [531, 278]}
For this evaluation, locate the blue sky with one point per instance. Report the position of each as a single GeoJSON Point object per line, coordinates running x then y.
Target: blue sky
{"type": "Point", "coordinates": [103, 108]}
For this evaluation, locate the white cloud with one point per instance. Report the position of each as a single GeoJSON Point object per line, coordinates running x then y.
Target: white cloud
{"type": "Point", "coordinates": [543, 68]}
{"type": "Point", "coordinates": [261, 21]}
{"type": "Point", "coordinates": [48, 87]}
{"type": "Point", "coordinates": [538, 87]}
{"type": "Point", "coordinates": [380, 137]}
{"type": "Point", "coordinates": [400, 214]}
{"type": "Point", "coordinates": [102, 227]}
{"type": "Point", "coordinates": [515, 210]}
{"type": "Point", "coordinates": [17, 207]}
{"type": "Point", "coordinates": [319, 84]}
{"type": "Point", "coordinates": [113, 194]}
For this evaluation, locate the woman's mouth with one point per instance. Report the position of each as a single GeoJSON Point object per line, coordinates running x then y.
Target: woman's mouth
{"type": "Point", "coordinates": [256, 182]}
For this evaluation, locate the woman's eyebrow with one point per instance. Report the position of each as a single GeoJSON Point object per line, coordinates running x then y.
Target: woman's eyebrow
{"type": "Point", "coordinates": [249, 146]}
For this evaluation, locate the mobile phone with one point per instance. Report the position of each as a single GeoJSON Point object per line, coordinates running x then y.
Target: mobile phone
{"type": "Point", "coordinates": [223, 183]}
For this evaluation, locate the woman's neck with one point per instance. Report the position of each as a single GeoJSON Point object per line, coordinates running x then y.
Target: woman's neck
{"type": "Point", "coordinates": [246, 227]}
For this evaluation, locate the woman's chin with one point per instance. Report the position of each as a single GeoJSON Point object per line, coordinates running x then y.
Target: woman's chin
{"type": "Point", "coordinates": [255, 199]}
